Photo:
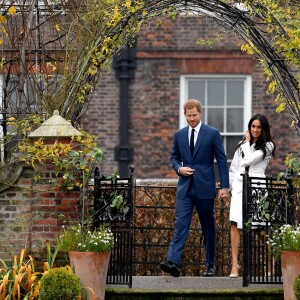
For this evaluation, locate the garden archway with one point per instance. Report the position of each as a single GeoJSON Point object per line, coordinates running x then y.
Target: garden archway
{"type": "Point", "coordinates": [247, 22]}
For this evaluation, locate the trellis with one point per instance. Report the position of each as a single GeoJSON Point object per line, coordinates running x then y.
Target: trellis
{"type": "Point", "coordinates": [251, 29]}
{"type": "Point", "coordinates": [248, 25]}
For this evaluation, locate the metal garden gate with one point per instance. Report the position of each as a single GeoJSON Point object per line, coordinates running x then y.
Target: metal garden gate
{"type": "Point", "coordinates": [267, 204]}
{"type": "Point", "coordinates": [113, 204]}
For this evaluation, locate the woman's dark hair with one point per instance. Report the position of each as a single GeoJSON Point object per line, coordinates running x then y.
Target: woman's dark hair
{"type": "Point", "coordinates": [265, 136]}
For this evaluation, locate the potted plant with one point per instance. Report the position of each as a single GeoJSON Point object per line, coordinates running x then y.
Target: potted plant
{"type": "Point", "coordinates": [285, 244]}
{"type": "Point", "coordinates": [89, 248]}
{"type": "Point", "coordinates": [79, 238]}
{"type": "Point", "coordinates": [286, 240]}
{"type": "Point", "coordinates": [89, 253]}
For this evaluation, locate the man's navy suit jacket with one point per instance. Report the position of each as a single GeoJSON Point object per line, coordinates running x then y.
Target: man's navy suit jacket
{"type": "Point", "coordinates": [209, 145]}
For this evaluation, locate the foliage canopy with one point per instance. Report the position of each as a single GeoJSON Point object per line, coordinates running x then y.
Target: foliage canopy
{"type": "Point", "coordinates": [59, 49]}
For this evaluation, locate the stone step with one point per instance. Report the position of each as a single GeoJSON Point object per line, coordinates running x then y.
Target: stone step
{"type": "Point", "coordinates": [192, 283]}
{"type": "Point", "coordinates": [185, 288]}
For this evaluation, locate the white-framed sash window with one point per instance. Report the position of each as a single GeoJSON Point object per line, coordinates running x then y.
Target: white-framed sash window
{"type": "Point", "coordinates": [226, 101]}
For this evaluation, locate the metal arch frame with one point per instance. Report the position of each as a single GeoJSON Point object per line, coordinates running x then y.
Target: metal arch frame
{"type": "Point", "coordinates": [249, 28]}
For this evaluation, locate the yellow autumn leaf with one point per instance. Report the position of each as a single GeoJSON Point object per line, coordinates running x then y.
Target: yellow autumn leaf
{"type": "Point", "coordinates": [11, 121]}
{"type": "Point", "coordinates": [92, 71]}
{"type": "Point", "coordinates": [269, 19]}
{"type": "Point", "coordinates": [280, 108]}
{"type": "Point", "coordinates": [128, 4]}
{"type": "Point", "coordinates": [4, 30]}
{"type": "Point", "coordinates": [105, 49]}
{"type": "Point", "coordinates": [272, 87]}
{"type": "Point", "coordinates": [2, 19]}
{"type": "Point", "coordinates": [12, 10]}
{"type": "Point", "coordinates": [1, 41]}
{"type": "Point", "coordinates": [57, 27]}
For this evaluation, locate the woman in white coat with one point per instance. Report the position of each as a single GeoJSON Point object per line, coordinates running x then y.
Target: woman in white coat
{"type": "Point", "coordinates": [254, 151]}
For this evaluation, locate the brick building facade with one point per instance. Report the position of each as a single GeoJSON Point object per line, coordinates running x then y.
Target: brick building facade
{"type": "Point", "coordinates": [164, 54]}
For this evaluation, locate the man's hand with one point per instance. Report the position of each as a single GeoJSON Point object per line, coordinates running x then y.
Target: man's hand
{"type": "Point", "coordinates": [223, 193]}
{"type": "Point", "coordinates": [186, 171]}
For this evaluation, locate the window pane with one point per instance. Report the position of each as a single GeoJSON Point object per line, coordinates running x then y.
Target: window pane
{"type": "Point", "coordinates": [225, 104]}
{"type": "Point", "coordinates": [235, 92]}
{"type": "Point", "coordinates": [215, 92]}
{"type": "Point", "coordinates": [231, 143]}
{"type": "Point", "coordinates": [215, 118]}
{"type": "Point", "coordinates": [235, 119]}
{"type": "Point", "coordinates": [196, 90]}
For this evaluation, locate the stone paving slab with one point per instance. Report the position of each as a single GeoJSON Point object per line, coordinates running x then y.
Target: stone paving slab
{"type": "Point", "coordinates": [162, 283]}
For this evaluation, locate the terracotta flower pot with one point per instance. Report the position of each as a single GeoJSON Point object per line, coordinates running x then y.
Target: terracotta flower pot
{"type": "Point", "coordinates": [290, 265]}
{"type": "Point", "coordinates": [92, 269]}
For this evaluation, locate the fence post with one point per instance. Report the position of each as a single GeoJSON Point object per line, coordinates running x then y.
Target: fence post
{"type": "Point", "coordinates": [246, 233]}
{"type": "Point", "coordinates": [120, 218]}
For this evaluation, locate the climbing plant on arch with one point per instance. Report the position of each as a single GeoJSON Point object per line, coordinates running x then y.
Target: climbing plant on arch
{"type": "Point", "coordinates": [90, 32]}
{"type": "Point", "coordinates": [268, 29]}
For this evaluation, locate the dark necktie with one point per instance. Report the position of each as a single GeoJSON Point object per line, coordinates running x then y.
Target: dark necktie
{"type": "Point", "coordinates": [192, 142]}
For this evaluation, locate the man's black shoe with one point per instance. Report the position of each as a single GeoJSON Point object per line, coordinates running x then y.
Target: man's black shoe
{"type": "Point", "coordinates": [210, 272]}
{"type": "Point", "coordinates": [170, 268]}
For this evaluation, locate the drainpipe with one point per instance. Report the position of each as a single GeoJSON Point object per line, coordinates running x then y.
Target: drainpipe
{"type": "Point", "coordinates": [124, 64]}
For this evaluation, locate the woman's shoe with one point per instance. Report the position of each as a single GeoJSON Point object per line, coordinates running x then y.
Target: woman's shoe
{"type": "Point", "coordinates": [234, 270]}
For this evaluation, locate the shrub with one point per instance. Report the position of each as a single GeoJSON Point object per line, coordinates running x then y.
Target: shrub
{"type": "Point", "coordinates": [60, 284]}
{"type": "Point", "coordinates": [297, 286]}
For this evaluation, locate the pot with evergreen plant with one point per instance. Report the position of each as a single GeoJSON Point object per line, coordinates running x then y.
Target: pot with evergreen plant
{"type": "Point", "coordinates": [285, 244]}
{"type": "Point", "coordinates": [89, 248]}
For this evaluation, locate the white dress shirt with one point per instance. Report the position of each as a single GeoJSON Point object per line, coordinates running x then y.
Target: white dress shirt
{"type": "Point", "coordinates": [197, 130]}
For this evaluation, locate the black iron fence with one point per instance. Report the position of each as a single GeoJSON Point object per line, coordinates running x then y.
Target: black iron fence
{"type": "Point", "coordinates": [143, 226]}
{"type": "Point", "coordinates": [267, 204]}
{"type": "Point", "coordinates": [113, 204]}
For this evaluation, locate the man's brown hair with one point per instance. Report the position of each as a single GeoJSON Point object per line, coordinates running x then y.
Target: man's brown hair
{"type": "Point", "coordinates": [191, 103]}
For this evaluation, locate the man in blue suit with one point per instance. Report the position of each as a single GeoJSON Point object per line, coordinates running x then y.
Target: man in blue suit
{"type": "Point", "coordinates": [194, 150]}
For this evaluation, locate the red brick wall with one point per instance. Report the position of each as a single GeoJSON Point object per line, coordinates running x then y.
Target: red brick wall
{"type": "Point", "coordinates": [164, 53]}
{"type": "Point", "coordinates": [32, 212]}
{"type": "Point", "coordinates": [15, 217]}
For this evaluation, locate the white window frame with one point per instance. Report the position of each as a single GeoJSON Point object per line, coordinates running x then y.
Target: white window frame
{"type": "Point", "coordinates": [247, 94]}
{"type": "Point", "coordinates": [247, 97]}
